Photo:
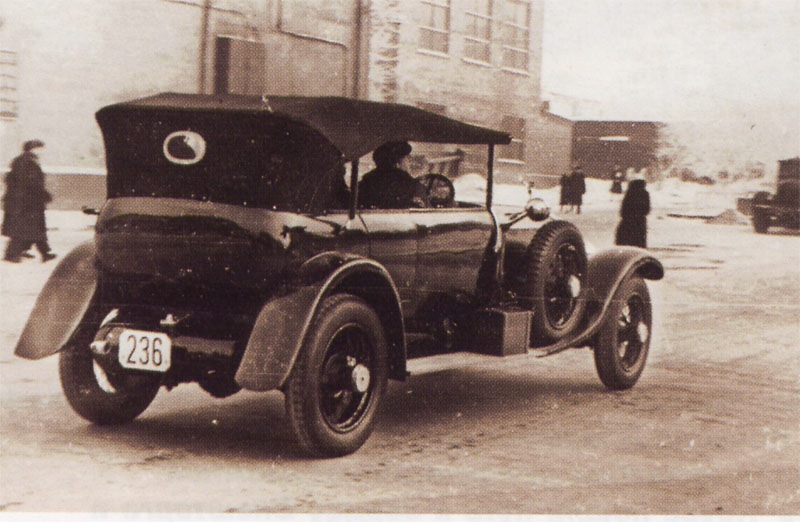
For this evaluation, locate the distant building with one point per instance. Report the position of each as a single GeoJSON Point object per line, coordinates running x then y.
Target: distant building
{"type": "Point", "coordinates": [599, 145]}
{"type": "Point", "coordinates": [475, 60]}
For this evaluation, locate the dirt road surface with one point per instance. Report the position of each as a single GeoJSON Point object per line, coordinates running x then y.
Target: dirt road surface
{"type": "Point", "coordinates": [712, 427]}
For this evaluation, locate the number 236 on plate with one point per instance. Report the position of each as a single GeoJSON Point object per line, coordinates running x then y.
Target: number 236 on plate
{"type": "Point", "coordinates": [140, 350]}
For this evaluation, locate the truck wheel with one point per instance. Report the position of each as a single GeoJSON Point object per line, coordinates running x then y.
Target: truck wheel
{"type": "Point", "coordinates": [555, 273]}
{"type": "Point", "coordinates": [761, 218]}
{"type": "Point", "coordinates": [100, 397]}
{"type": "Point", "coordinates": [622, 344]}
{"type": "Point", "coordinates": [339, 378]}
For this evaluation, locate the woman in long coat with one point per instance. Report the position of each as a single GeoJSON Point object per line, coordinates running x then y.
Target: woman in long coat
{"type": "Point", "coordinates": [632, 229]}
{"type": "Point", "coordinates": [23, 204]}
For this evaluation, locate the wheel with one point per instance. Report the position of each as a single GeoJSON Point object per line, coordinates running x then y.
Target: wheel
{"type": "Point", "coordinates": [339, 378]}
{"type": "Point", "coordinates": [761, 218]}
{"type": "Point", "coordinates": [102, 397]}
{"type": "Point", "coordinates": [556, 268]}
{"type": "Point", "coordinates": [439, 190]}
{"type": "Point", "coordinates": [624, 338]}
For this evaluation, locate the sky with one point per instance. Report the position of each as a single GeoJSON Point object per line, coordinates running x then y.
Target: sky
{"type": "Point", "coordinates": [731, 61]}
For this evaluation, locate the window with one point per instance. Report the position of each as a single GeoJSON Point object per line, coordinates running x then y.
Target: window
{"type": "Point", "coordinates": [326, 20]}
{"type": "Point", "coordinates": [514, 151]}
{"type": "Point", "coordinates": [434, 31]}
{"type": "Point", "coordinates": [514, 17]}
{"type": "Point", "coordinates": [478, 31]}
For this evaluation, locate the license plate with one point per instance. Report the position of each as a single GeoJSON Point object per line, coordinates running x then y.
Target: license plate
{"type": "Point", "coordinates": [140, 350]}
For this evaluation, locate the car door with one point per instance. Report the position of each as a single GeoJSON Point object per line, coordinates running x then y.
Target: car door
{"type": "Point", "coordinates": [452, 248]}
{"type": "Point", "coordinates": [393, 243]}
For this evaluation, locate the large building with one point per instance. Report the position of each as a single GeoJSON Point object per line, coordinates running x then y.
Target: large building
{"type": "Point", "coordinates": [475, 60]}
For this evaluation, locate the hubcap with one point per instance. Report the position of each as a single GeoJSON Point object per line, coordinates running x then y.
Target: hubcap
{"type": "Point", "coordinates": [360, 378]}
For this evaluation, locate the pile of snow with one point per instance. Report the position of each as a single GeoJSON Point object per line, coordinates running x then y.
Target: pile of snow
{"type": "Point", "coordinates": [729, 217]}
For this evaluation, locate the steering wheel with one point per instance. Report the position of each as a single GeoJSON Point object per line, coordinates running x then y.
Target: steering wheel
{"type": "Point", "coordinates": [438, 190]}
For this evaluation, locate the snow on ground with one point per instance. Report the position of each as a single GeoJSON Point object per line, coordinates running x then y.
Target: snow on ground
{"type": "Point", "coordinates": [667, 196]}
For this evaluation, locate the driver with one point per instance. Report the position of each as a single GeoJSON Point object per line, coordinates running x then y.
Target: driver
{"type": "Point", "coordinates": [387, 185]}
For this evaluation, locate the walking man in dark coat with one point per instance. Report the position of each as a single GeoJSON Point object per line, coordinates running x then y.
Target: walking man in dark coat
{"type": "Point", "coordinates": [632, 229]}
{"type": "Point", "coordinates": [577, 188]}
{"type": "Point", "coordinates": [23, 204]}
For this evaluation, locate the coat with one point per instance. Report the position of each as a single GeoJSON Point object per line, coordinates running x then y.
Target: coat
{"type": "Point", "coordinates": [387, 187]}
{"type": "Point", "coordinates": [632, 228]}
{"type": "Point", "coordinates": [577, 187]}
{"type": "Point", "coordinates": [25, 199]}
{"type": "Point", "coordinates": [564, 194]}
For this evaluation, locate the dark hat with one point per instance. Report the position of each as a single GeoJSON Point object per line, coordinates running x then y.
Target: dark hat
{"type": "Point", "coordinates": [391, 152]}
{"type": "Point", "coordinates": [32, 144]}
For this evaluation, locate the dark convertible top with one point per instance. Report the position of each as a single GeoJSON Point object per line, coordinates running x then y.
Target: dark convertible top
{"type": "Point", "coordinates": [354, 127]}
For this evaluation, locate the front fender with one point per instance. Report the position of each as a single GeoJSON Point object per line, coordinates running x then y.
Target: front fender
{"type": "Point", "coordinates": [62, 304]}
{"type": "Point", "coordinates": [284, 321]}
{"type": "Point", "coordinates": [605, 273]}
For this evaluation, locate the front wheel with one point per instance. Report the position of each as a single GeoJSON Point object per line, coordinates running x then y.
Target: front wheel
{"type": "Point", "coordinates": [102, 397]}
{"type": "Point", "coordinates": [339, 378]}
{"type": "Point", "coordinates": [624, 338]}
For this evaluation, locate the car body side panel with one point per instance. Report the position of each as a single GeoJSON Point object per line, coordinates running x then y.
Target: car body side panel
{"type": "Point", "coordinates": [281, 326]}
{"type": "Point", "coordinates": [62, 304]}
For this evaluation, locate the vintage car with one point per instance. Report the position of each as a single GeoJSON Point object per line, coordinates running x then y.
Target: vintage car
{"type": "Point", "coordinates": [232, 251]}
{"type": "Point", "coordinates": [783, 208]}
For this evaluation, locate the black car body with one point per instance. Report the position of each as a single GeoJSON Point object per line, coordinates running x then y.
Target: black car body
{"type": "Point", "coordinates": [231, 252]}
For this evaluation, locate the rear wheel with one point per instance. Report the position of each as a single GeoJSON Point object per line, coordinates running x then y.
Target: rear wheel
{"type": "Point", "coordinates": [103, 397]}
{"type": "Point", "coordinates": [337, 383]}
{"type": "Point", "coordinates": [554, 281]}
{"type": "Point", "coordinates": [624, 338]}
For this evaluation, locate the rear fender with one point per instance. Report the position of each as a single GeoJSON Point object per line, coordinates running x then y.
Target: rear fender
{"type": "Point", "coordinates": [62, 305]}
{"type": "Point", "coordinates": [284, 321]}
{"type": "Point", "coordinates": [605, 273]}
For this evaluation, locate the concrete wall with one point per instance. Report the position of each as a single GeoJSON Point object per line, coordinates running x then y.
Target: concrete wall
{"type": "Point", "coordinates": [599, 145]}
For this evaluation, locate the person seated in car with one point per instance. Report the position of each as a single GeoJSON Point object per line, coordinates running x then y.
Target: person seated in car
{"type": "Point", "coordinates": [388, 185]}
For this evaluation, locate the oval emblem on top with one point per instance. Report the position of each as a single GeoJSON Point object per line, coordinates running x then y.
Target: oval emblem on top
{"type": "Point", "coordinates": [184, 147]}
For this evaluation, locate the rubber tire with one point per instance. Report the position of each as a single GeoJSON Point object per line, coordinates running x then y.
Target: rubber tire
{"type": "Point", "coordinates": [136, 390]}
{"type": "Point", "coordinates": [761, 218]}
{"type": "Point", "coordinates": [606, 356]}
{"type": "Point", "coordinates": [540, 255]}
{"type": "Point", "coordinates": [314, 435]}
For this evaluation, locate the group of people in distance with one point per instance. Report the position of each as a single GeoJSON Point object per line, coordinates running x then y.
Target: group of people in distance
{"type": "Point", "coordinates": [573, 187]}
{"type": "Point", "coordinates": [632, 228]}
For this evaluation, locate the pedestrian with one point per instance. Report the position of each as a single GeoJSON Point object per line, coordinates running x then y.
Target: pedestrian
{"type": "Point", "coordinates": [617, 177]}
{"type": "Point", "coordinates": [23, 206]}
{"type": "Point", "coordinates": [577, 188]}
{"type": "Point", "coordinates": [632, 228]}
{"type": "Point", "coordinates": [563, 196]}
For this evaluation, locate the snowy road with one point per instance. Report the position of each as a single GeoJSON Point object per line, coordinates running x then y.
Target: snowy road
{"type": "Point", "coordinates": [713, 426]}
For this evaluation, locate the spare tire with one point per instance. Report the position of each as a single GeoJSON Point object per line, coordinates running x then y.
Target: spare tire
{"type": "Point", "coordinates": [555, 273]}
